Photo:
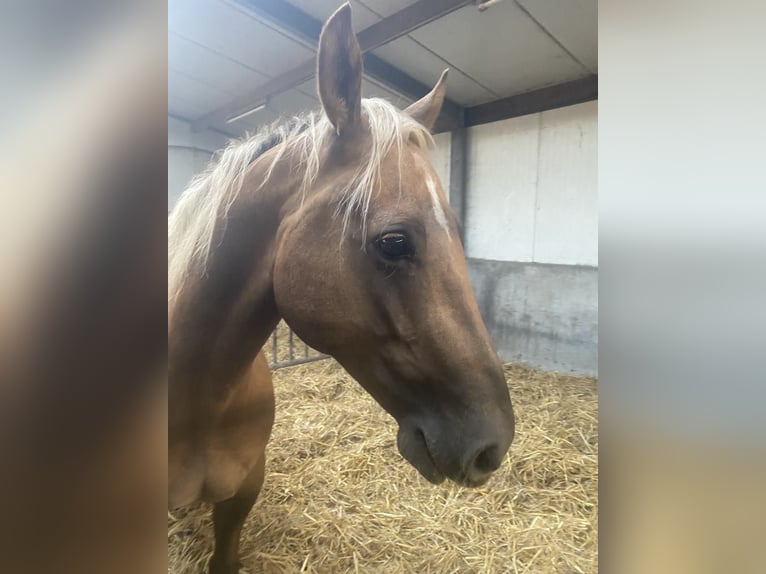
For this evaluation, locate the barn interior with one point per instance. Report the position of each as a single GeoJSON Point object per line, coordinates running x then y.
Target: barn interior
{"type": "Point", "coordinates": [516, 141]}
{"type": "Point", "coordinates": [516, 150]}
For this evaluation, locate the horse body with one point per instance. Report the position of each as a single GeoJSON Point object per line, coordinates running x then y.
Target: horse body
{"type": "Point", "coordinates": [220, 390]}
{"type": "Point", "coordinates": [337, 224]}
{"type": "Point", "coordinates": [211, 463]}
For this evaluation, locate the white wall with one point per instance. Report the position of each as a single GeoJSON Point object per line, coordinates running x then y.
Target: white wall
{"type": "Point", "coordinates": [532, 188]}
{"type": "Point", "coordinates": [188, 154]}
{"type": "Point", "coordinates": [440, 156]}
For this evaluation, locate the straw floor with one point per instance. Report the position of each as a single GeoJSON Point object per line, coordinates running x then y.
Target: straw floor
{"type": "Point", "coordinates": [339, 498]}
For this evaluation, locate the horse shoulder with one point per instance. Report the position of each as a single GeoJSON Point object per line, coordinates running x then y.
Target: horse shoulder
{"type": "Point", "coordinates": [212, 465]}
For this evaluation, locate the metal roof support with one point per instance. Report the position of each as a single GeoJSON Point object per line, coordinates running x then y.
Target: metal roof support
{"type": "Point", "coordinates": [458, 177]}
{"type": "Point", "coordinates": [560, 95]}
{"type": "Point", "coordinates": [306, 30]}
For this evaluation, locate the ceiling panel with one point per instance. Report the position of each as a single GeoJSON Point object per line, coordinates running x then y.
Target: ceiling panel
{"type": "Point", "coordinates": [321, 10]}
{"type": "Point", "coordinates": [502, 48]}
{"type": "Point", "coordinates": [196, 92]}
{"type": "Point", "coordinates": [308, 88]}
{"type": "Point", "coordinates": [233, 32]}
{"type": "Point", "coordinates": [383, 7]}
{"type": "Point", "coordinates": [199, 62]}
{"type": "Point", "coordinates": [423, 65]}
{"type": "Point", "coordinates": [292, 102]}
{"type": "Point", "coordinates": [179, 107]}
{"type": "Point", "coordinates": [254, 122]}
{"type": "Point", "coordinates": [574, 23]}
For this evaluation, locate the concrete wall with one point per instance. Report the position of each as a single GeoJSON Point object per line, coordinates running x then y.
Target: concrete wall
{"type": "Point", "coordinates": [541, 315]}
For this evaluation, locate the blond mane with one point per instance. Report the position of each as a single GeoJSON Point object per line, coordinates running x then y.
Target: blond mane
{"type": "Point", "coordinates": [205, 203]}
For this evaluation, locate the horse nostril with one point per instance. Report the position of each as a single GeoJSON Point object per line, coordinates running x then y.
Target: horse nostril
{"type": "Point", "coordinates": [486, 461]}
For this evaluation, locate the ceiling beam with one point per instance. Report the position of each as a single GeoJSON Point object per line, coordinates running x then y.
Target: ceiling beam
{"type": "Point", "coordinates": [560, 95]}
{"type": "Point", "coordinates": [458, 176]}
{"type": "Point", "coordinates": [307, 29]}
{"type": "Point", "coordinates": [406, 20]}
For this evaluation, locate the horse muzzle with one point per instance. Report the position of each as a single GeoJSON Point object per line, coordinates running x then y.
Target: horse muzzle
{"type": "Point", "coordinates": [465, 457]}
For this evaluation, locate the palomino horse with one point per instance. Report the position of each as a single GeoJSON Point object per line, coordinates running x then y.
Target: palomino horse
{"type": "Point", "coordinates": [338, 224]}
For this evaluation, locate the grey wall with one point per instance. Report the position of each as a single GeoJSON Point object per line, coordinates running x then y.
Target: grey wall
{"type": "Point", "coordinates": [531, 235]}
{"type": "Point", "coordinates": [188, 154]}
{"type": "Point", "coordinates": [542, 315]}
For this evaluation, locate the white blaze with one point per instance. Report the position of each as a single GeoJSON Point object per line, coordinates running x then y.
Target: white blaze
{"type": "Point", "coordinates": [441, 218]}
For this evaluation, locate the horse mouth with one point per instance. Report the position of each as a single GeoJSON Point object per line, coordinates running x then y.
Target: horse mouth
{"type": "Point", "coordinates": [414, 448]}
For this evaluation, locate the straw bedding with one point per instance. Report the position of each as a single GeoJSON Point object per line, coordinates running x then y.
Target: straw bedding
{"type": "Point", "coordinates": [338, 497]}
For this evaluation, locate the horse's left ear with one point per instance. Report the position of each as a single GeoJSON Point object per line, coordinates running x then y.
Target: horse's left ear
{"type": "Point", "coordinates": [339, 71]}
{"type": "Point", "coordinates": [426, 110]}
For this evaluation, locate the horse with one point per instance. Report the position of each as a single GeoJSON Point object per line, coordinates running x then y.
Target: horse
{"type": "Point", "coordinates": [337, 223]}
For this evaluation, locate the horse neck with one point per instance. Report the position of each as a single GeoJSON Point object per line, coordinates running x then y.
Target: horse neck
{"type": "Point", "coordinates": [218, 324]}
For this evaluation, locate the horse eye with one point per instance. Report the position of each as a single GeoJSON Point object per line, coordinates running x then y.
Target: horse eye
{"type": "Point", "coordinates": [395, 245]}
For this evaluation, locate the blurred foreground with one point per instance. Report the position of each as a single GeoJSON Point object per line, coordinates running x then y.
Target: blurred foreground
{"type": "Point", "coordinates": [82, 288]}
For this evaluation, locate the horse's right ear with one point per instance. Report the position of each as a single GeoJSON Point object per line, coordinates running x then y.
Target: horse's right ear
{"type": "Point", "coordinates": [339, 71]}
